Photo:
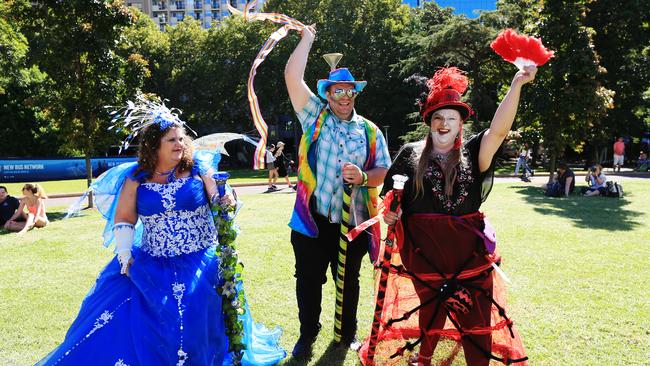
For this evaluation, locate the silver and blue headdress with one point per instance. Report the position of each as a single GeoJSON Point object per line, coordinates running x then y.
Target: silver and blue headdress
{"type": "Point", "coordinates": [144, 112]}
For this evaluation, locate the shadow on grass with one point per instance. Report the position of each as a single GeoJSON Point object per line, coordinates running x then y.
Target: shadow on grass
{"type": "Point", "coordinates": [56, 216]}
{"type": "Point", "coordinates": [333, 355]}
{"type": "Point", "coordinates": [588, 212]}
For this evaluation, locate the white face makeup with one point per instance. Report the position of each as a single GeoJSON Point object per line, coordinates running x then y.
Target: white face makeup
{"type": "Point", "coordinates": [171, 146]}
{"type": "Point", "coordinates": [445, 126]}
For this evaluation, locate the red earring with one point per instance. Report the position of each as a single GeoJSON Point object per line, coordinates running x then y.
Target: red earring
{"type": "Point", "coordinates": [458, 142]}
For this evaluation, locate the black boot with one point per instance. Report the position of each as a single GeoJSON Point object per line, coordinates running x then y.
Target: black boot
{"type": "Point", "coordinates": [303, 347]}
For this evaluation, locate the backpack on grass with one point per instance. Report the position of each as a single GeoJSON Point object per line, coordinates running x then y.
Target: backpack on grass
{"type": "Point", "coordinates": [614, 189]}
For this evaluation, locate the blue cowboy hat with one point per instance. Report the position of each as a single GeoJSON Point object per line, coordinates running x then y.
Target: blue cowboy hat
{"type": "Point", "coordinates": [337, 76]}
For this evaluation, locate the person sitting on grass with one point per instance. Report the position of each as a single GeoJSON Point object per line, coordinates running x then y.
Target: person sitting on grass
{"type": "Point", "coordinates": [8, 206]}
{"type": "Point", "coordinates": [596, 180]}
{"type": "Point", "coordinates": [642, 163]}
{"type": "Point", "coordinates": [35, 215]}
{"type": "Point", "coordinates": [564, 184]}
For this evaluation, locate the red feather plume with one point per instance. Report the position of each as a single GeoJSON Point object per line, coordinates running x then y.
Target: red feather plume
{"type": "Point", "coordinates": [445, 78]}
{"type": "Point", "coordinates": [520, 49]}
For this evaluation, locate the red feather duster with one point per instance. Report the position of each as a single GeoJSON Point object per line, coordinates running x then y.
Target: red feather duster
{"type": "Point", "coordinates": [446, 78]}
{"type": "Point", "coordinates": [520, 49]}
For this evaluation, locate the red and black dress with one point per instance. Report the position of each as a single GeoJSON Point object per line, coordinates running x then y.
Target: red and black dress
{"type": "Point", "coordinates": [443, 282]}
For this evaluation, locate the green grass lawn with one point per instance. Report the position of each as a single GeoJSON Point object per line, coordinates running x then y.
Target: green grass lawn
{"type": "Point", "coordinates": [579, 268]}
{"type": "Point", "coordinates": [79, 185]}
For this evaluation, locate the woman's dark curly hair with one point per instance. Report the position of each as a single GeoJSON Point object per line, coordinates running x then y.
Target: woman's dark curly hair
{"type": "Point", "coordinates": [150, 143]}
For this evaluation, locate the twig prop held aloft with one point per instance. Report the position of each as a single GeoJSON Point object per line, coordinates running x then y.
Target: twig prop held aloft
{"type": "Point", "coordinates": [520, 49]}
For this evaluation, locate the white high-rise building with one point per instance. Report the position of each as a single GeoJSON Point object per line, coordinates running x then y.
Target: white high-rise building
{"type": "Point", "coordinates": [171, 12]}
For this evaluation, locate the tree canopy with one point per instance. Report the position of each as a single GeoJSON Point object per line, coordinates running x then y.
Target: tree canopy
{"type": "Point", "coordinates": [63, 65]}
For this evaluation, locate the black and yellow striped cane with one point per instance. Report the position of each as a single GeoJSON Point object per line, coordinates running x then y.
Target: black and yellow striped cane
{"type": "Point", "coordinates": [340, 267]}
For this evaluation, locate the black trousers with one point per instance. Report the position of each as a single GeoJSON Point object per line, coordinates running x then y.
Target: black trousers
{"type": "Point", "coordinates": [313, 256]}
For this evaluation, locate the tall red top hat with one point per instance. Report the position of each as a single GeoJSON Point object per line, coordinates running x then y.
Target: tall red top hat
{"type": "Point", "coordinates": [446, 88]}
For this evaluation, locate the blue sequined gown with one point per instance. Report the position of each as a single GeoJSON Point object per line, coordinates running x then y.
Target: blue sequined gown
{"type": "Point", "coordinates": [168, 311]}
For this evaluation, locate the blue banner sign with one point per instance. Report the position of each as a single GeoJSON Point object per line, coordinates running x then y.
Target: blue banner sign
{"type": "Point", "coordinates": [28, 170]}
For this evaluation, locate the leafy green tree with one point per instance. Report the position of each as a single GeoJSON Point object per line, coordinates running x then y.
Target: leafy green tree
{"type": "Point", "coordinates": [216, 83]}
{"type": "Point", "coordinates": [77, 46]}
{"type": "Point", "coordinates": [643, 109]}
{"type": "Point", "coordinates": [438, 38]}
{"type": "Point", "coordinates": [567, 101]}
{"type": "Point", "coordinates": [366, 32]}
{"type": "Point", "coordinates": [622, 31]}
{"type": "Point", "coordinates": [13, 44]}
{"type": "Point", "coordinates": [24, 125]}
{"type": "Point", "coordinates": [145, 38]}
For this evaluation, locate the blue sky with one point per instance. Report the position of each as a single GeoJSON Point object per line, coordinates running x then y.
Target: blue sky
{"type": "Point", "coordinates": [466, 7]}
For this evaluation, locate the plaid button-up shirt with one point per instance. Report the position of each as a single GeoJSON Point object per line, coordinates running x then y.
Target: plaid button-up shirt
{"type": "Point", "coordinates": [340, 142]}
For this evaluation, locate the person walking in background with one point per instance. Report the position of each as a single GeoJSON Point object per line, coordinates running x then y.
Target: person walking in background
{"type": "Point", "coordinates": [619, 154]}
{"type": "Point", "coordinates": [33, 201]}
{"type": "Point", "coordinates": [281, 162]}
{"type": "Point", "coordinates": [338, 147]}
{"type": "Point", "coordinates": [522, 162]}
{"type": "Point", "coordinates": [270, 165]}
{"type": "Point", "coordinates": [8, 206]}
{"type": "Point", "coordinates": [596, 180]}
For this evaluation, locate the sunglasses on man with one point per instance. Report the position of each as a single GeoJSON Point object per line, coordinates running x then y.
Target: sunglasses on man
{"type": "Point", "coordinates": [339, 93]}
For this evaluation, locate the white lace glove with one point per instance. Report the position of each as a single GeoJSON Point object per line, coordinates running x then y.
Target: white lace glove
{"type": "Point", "coordinates": [124, 233]}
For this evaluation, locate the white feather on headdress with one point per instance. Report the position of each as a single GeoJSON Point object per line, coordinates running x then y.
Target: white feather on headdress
{"type": "Point", "coordinates": [136, 116]}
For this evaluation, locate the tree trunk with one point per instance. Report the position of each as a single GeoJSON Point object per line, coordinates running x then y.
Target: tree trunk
{"type": "Point", "coordinates": [535, 155]}
{"type": "Point", "coordinates": [551, 163]}
{"type": "Point", "coordinates": [595, 155]}
{"type": "Point", "coordinates": [603, 155]}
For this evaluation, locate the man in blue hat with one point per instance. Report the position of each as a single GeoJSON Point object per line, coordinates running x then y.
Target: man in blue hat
{"type": "Point", "coordinates": [338, 147]}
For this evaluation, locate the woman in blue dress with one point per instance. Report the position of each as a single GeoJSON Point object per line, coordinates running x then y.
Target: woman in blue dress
{"type": "Point", "coordinates": [156, 302]}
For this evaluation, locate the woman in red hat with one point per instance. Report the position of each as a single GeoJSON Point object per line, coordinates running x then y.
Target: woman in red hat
{"type": "Point", "coordinates": [445, 243]}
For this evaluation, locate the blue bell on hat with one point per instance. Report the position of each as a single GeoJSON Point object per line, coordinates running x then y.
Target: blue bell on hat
{"type": "Point", "coordinates": [337, 76]}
